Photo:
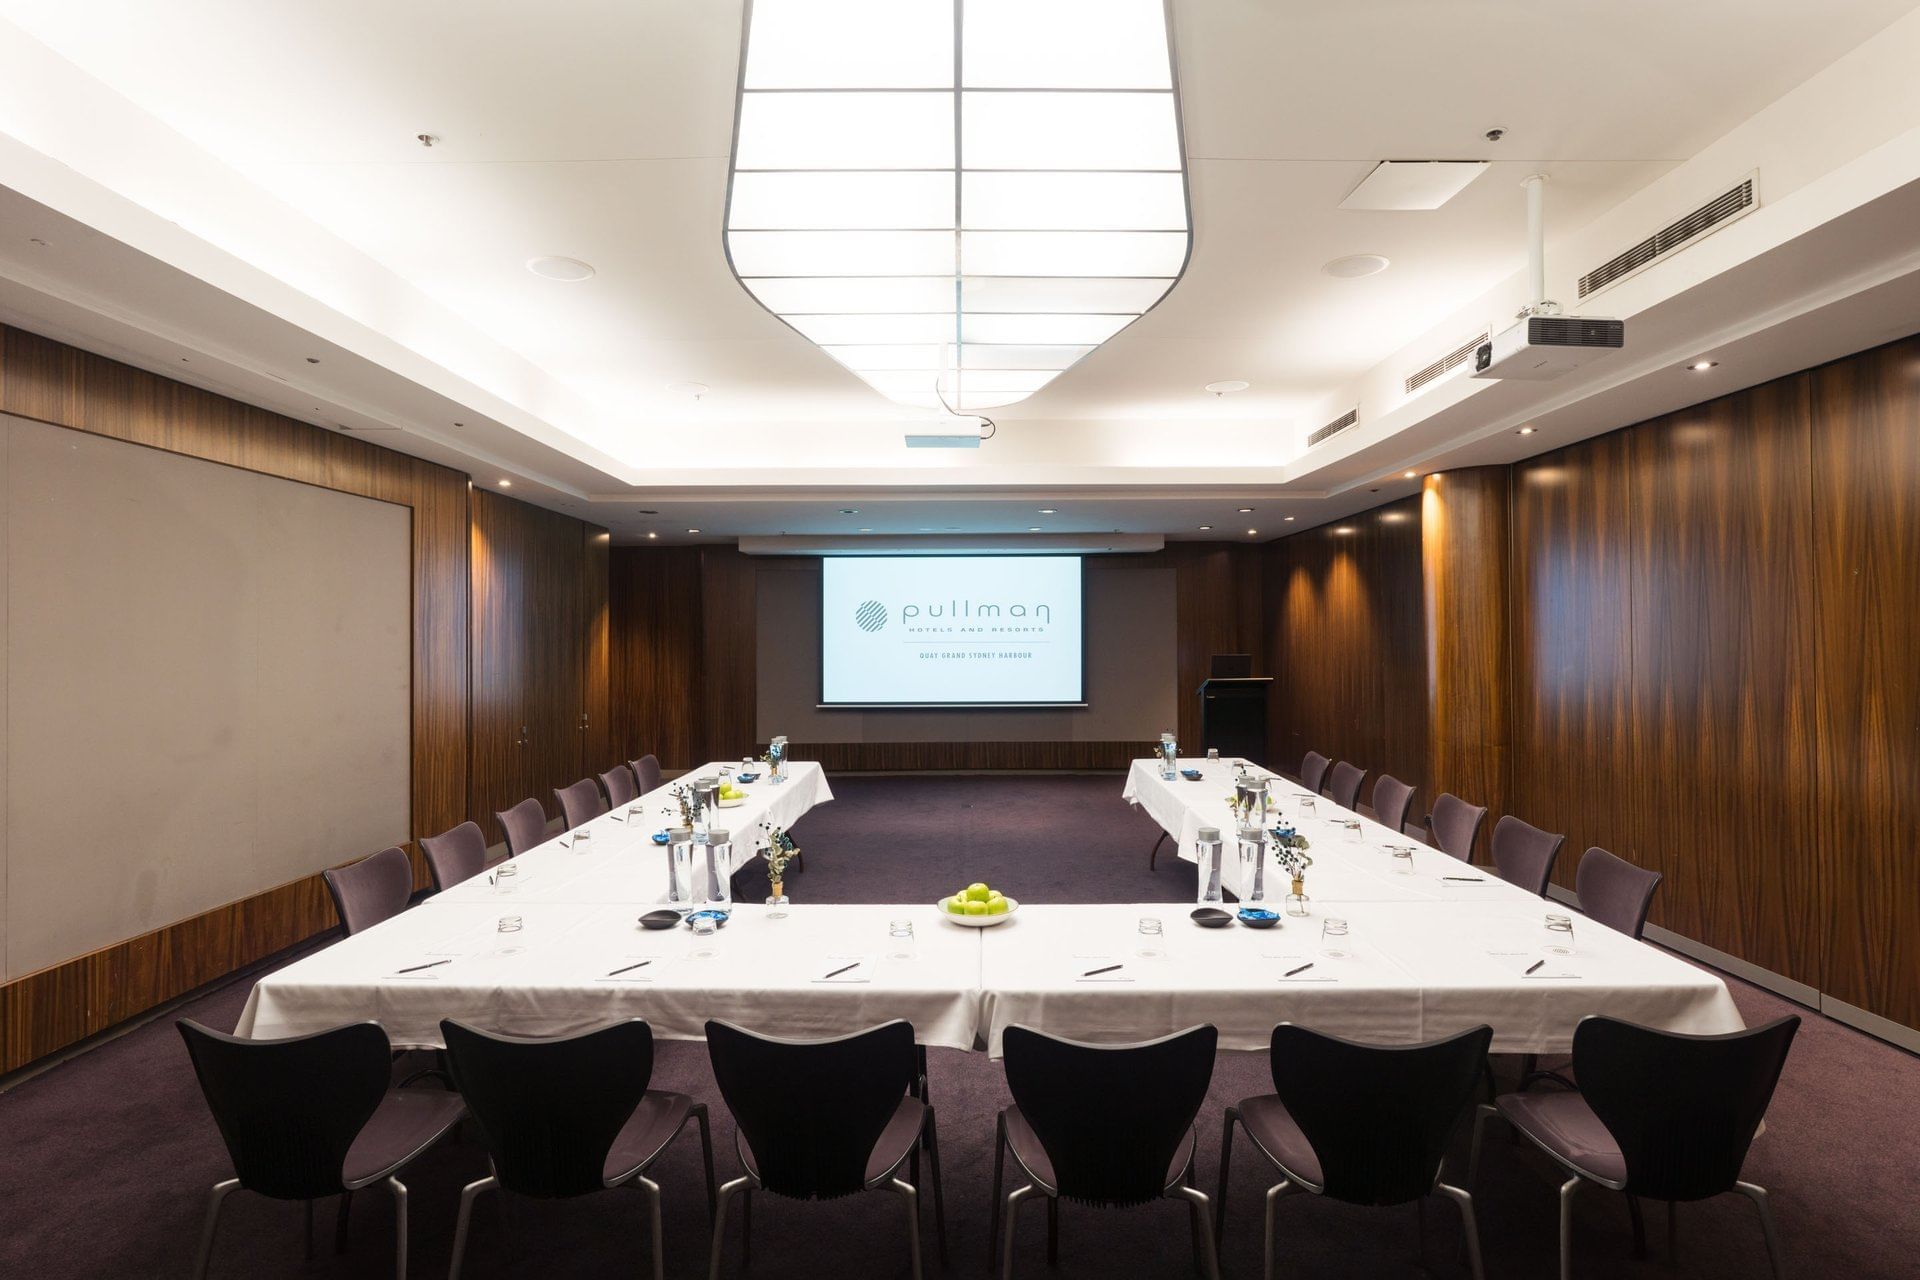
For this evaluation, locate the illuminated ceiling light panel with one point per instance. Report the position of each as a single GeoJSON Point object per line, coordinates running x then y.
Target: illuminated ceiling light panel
{"type": "Point", "coordinates": [958, 199]}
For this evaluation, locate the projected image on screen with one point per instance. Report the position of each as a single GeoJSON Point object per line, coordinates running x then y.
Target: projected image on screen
{"type": "Point", "coordinates": [948, 631]}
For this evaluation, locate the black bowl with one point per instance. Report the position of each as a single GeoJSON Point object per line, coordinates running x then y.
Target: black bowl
{"type": "Point", "coordinates": [662, 919]}
{"type": "Point", "coordinates": [1211, 917]}
{"type": "Point", "coordinates": [1259, 917]}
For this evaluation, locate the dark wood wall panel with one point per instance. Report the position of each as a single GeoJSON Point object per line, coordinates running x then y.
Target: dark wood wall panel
{"type": "Point", "coordinates": [1463, 544]}
{"type": "Point", "coordinates": [656, 668]}
{"type": "Point", "coordinates": [50, 382]}
{"type": "Point", "coordinates": [729, 670]}
{"type": "Point", "coordinates": [1866, 513]}
{"type": "Point", "coordinates": [1217, 594]}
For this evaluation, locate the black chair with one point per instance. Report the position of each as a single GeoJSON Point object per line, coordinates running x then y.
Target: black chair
{"type": "Point", "coordinates": [646, 773]}
{"type": "Point", "coordinates": [1343, 785]}
{"type": "Point", "coordinates": [821, 1119]}
{"type": "Point", "coordinates": [1614, 891]}
{"type": "Point", "coordinates": [617, 782]}
{"type": "Point", "coordinates": [1523, 854]}
{"type": "Point", "coordinates": [567, 1116]}
{"type": "Point", "coordinates": [1313, 771]}
{"type": "Point", "coordinates": [525, 825]}
{"type": "Point", "coordinates": [376, 888]}
{"type": "Point", "coordinates": [1391, 800]}
{"type": "Point", "coordinates": [1361, 1123]}
{"type": "Point", "coordinates": [1659, 1116]}
{"type": "Point", "coordinates": [1455, 825]}
{"type": "Point", "coordinates": [312, 1116]}
{"type": "Point", "coordinates": [580, 802]}
{"type": "Point", "coordinates": [455, 856]}
{"type": "Point", "coordinates": [1103, 1124]}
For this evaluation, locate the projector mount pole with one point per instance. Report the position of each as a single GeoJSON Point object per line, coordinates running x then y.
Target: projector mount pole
{"type": "Point", "coordinates": [1537, 302]}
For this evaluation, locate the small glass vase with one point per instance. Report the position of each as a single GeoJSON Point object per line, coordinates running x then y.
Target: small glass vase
{"type": "Point", "coordinates": [777, 904]}
{"type": "Point", "coordinates": [1297, 900]}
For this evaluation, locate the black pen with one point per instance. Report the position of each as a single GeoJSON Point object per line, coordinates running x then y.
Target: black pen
{"type": "Point", "coordinates": [842, 969]}
{"type": "Point", "coordinates": [1302, 969]}
{"type": "Point", "coordinates": [1109, 969]}
{"type": "Point", "coordinates": [1534, 967]}
{"type": "Point", "coordinates": [630, 968]}
{"type": "Point", "coordinates": [1467, 879]}
{"type": "Point", "coordinates": [415, 968]}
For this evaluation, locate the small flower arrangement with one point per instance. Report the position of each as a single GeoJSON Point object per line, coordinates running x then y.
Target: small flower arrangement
{"type": "Point", "coordinates": [1290, 849]}
{"type": "Point", "coordinates": [780, 851]}
{"type": "Point", "coordinates": [683, 796]}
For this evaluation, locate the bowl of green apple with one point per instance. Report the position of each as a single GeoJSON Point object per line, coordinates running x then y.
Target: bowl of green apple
{"type": "Point", "coordinates": [978, 906]}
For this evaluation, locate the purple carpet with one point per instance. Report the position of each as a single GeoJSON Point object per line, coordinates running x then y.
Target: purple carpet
{"type": "Point", "coordinates": [107, 1158]}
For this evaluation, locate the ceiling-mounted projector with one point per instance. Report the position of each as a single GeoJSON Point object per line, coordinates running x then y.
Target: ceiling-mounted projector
{"type": "Point", "coordinates": [1542, 347]}
{"type": "Point", "coordinates": [959, 435]}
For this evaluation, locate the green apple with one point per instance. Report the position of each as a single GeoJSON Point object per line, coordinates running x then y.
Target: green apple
{"type": "Point", "coordinates": [996, 905]}
{"type": "Point", "coordinates": [976, 908]}
{"type": "Point", "coordinates": [994, 895]}
{"type": "Point", "coordinates": [977, 892]}
{"type": "Point", "coordinates": [953, 906]}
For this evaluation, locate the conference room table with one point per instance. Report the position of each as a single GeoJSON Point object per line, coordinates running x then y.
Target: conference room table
{"type": "Point", "coordinates": [1424, 955]}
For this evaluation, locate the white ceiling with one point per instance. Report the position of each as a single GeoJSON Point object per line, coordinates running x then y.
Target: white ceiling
{"type": "Point", "coordinates": [599, 130]}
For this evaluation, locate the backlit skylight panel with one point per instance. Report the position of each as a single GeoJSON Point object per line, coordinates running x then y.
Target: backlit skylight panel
{"type": "Point", "coordinates": [1000, 181]}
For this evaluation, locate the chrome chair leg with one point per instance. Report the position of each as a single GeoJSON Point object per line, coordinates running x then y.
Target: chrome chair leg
{"type": "Point", "coordinates": [1567, 1190]}
{"type": "Point", "coordinates": [1758, 1195]}
{"type": "Point", "coordinates": [463, 1222]}
{"type": "Point", "coordinates": [652, 1191]}
{"type": "Point", "coordinates": [720, 1222]}
{"type": "Point", "coordinates": [1014, 1201]}
{"type": "Point", "coordinates": [1481, 1114]}
{"type": "Point", "coordinates": [214, 1198]}
{"type": "Point", "coordinates": [1197, 1198]}
{"type": "Point", "coordinates": [999, 1163]}
{"type": "Point", "coordinates": [1464, 1198]}
{"type": "Point", "coordinates": [399, 1190]}
{"type": "Point", "coordinates": [1274, 1193]}
{"type": "Point", "coordinates": [912, 1197]}
{"type": "Point", "coordinates": [1226, 1168]}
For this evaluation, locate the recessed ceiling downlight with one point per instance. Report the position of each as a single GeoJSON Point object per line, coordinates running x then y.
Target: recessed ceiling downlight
{"type": "Point", "coordinates": [1355, 265]}
{"type": "Point", "coordinates": [552, 268]}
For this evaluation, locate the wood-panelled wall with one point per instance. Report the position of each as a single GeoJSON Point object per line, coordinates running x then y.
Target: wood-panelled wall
{"type": "Point", "coordinates": [50, 382]}
{"type": "Point", "coordinates": [1708, 662]}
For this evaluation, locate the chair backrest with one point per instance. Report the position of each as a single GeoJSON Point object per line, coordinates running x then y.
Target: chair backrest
{"type": "Point", "coordinates": [1391, 800]}
{"type": "Point", "coordinates": [1343, 787]}
{"type": "Point", "coordinates": [525, 825]}
{"type": "Point", "coordinates": [549, 1109]}
{"type": "Point", "coordinates": [1379, 1117]}
{"type": "Point", "coordinates": [288, 1110]}
{"type": "Point", "coordinates": [1523, 854]}
{"type": "Point", "coordinates": [812, 1110]}
{"type": "Point", "coordinates": [455, 856]}
{"type": "Point", "coordinates": [1455, 825]}
{"type": "Point", "coordinates": [646, 772]}
{"type": "Point", "coordinates": [617, 782]}
{"type": "Point", "coordinates": [1614, 891]}
{"type": "Point", "coordinates": [1313, 771]}
{"type": "Point", "coordinates": [1682, 1108]}
{"type": "Point", "coordinates": [1111, 1116]}
{"type": "Point", "coordinates": [373, 889]}
{"type": "Point", "coordinates": [581, 802]}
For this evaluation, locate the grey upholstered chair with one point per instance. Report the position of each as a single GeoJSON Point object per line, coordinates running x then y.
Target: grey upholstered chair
{"type": "Point", "coordinates": [617, 782]}
{"type": "Point", "coordinates": [1391, 800]}
{"type": "Point", "coordinates": [1343, 784]}
{"type": "Point", "coordinates": [1614, 891]}
{"type": "Point", "coordinates": [455, 856]}
{"type": "Point", "coordinates": [646, 772]}
{"type": "Point", "coordinates": [1660, 1116]}
{"type": "Point", "coordinates": [525, 825]}
{"type": "Point", "coordinates": [1523, 854]}
{"type": "Point", "coordinates": [312, 1116]}
{"type": "Point", "coordinates": [580, 802]}
{"type": "Point", "coordinates": [1313, 771]}
{"type": "Point", "coordinates": [376, 888]}
{"type": "Point", "coordinates": [1360, 1123]}
{"type": "Point", "coordinates": [1455, 825]}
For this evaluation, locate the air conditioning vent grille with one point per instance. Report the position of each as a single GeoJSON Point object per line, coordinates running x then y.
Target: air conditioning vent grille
{"type": "Point", "coordinates": [1737, 200]}
{"type": "Point", "coordinates": [1445, 364]}
{"type": "Point", "coordinates": [1334, 428]}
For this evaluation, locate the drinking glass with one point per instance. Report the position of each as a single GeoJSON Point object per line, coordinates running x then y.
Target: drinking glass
{"type": "Point", "coordinates": [746, 764]}
{"type": "Point", "coordinates": [1307, 807]}
{"type": "Point", "coordinates": [704, 928]}
{"type": "Point", "coordinates": [1352, 826]}
{"type": "Point", "coordinates": [577, 837]}
{"type": "Point", "coordinates": [1213, 753]}
{"type": "Point", "coordinates": [900, 943]}
{"type": "Point", "coordinates": [1559, 934]}
{"type": "Point", "coordinates": [506, 877]}
{"type": "Point", "coordinates": [1152, 943]}
{"type": "Point", "coordinates": [1333, 938]}
{"type": "Point", "coordinates": [509, 924]}
{"type": "Point", "coordinates": [1402, 858]}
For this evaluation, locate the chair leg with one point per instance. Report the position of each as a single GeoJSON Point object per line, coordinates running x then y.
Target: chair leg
{"type": "Point", "coordinates": [464, 1221]}
{"type": "Point", "coordinates": [1226, 1168]}
{"type": "Point", "coordinates": [1203, 1228]}
{"type": "Point", "coordinates": [999, 1163]}
{"type": "Point", "coordinates": [1464, 1199]}
{"type": "Point", "coordinates": [340, 1222]}
{"type": "Point", "coordinates": [706, 1155]}
{"type": "Point", "coordinates": [214, 1198]}
{"type": "Point", "coordinates": [1014, 1200]}
{"type": "Point", "coordinates": [912, 1198]}
{"type": "Point", "coordinates": [720, 1223]}
{"type": "Point", "coordinates": [1481, 1115]}
{"type": "Point", "coordinates": [652, 1190]}
{"type": "Point", "coordinates": [1567, 1190]}
{"type": "Point", "coordinates": [399, 1190]}
{"type": "Point", "coordinates": [1639, 1226]}
{"type": "Point", "coordinates": [1274, 1193]}
{"type": "Point", "coordinates": [1758, 1195]}
{"type": "Point", "coordinates": [939, 1196]}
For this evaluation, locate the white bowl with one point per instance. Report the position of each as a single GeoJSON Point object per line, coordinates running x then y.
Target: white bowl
{"type": "Point", "coordinates": [978, 922]}
{"type": "Point", "coordinates": [733, 804]}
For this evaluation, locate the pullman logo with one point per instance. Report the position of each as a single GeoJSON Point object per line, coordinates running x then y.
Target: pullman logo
{"type": "Point", "coordinates": [870, 616]}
